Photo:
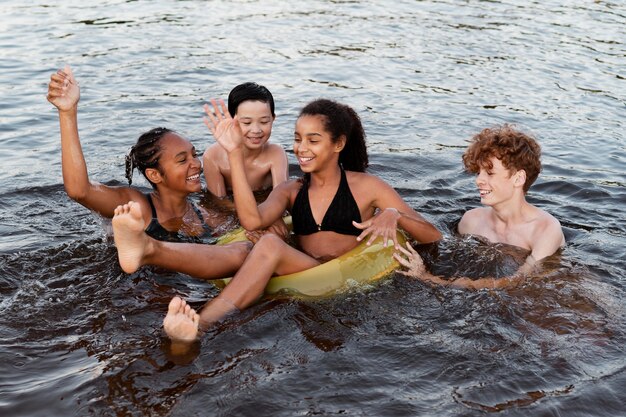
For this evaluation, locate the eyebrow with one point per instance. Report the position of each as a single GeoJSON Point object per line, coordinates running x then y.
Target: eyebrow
{"type": "Point", "coordinates": [250, 117]}
{"type": "Point", "coordinates": [184, 153]}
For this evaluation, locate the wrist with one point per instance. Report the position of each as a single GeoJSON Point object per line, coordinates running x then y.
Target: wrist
{"type": "Point", "coordinates": [394, 210]}
{"type": "Point", "coordinates": [235, 153]}
{"type": "Point", "coordinates": [72, 111]}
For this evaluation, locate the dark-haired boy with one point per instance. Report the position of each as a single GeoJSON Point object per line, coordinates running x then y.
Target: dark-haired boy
{"type": "Point", "coordinates": [266, 163]}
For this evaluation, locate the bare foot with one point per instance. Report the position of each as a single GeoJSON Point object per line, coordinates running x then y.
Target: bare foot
{"type": "Point", "coordinates": [131, 241]}
{"type": "Point", "coordinates": [181, 322]}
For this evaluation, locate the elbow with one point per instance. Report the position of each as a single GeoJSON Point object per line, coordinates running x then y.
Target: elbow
{"type": "Point", "coordinates": [76, 194]}
{"type": "Point", "coordinates": [432, 236]}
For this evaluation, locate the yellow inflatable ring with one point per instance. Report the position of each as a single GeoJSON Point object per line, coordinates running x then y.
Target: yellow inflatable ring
{"type": "Point", "coordinates": [362, 264]}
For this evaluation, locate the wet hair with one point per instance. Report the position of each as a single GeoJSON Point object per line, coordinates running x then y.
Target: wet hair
{"type": "Point", "coordinates": [516, 151]}
{"type": "Point", "coordinates": [340, 119]}
{"type": "Point", "coordinates": [249, 91]}
{"type": "Point", "coordinates": [145, 153]}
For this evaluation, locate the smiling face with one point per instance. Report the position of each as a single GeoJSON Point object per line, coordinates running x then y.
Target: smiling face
{"type": "Point", "coordinates": [179, 165]}
{"type": "Point", "coordinates": [497, 184]}
{"type": "Point", "coordinates": [255, 118]}
{"type": "Point", "coordinates": [313, 145]}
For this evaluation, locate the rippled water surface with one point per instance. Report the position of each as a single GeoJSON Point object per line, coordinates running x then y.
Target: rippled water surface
{"type": "Point", "coordinates": [79, 337]}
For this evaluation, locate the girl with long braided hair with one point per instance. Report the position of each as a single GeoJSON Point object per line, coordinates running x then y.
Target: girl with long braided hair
{"type": "Point", "coordinates": [170, 164]}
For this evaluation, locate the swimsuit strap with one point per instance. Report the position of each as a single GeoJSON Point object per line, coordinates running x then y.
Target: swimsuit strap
{"type": "Point", "coordinates": [158, 232]}
{"type": "Point", "coordinates": [206, 227]}
{"type": "Point", "coordinates": [338, 218]}
{"type": "Point", "coordinates": [154, 213]}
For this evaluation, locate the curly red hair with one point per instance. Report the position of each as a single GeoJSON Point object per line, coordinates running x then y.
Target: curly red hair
{"type": "Point", "coordinates": [516, 151]}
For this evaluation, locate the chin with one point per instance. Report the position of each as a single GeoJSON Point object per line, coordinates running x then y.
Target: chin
{"type": "Point", "coordinates": [306, 168]}
{"type": "Point", "coordinates": [252, 145]}
{"type": "Point", "coordinates": [195, 188]}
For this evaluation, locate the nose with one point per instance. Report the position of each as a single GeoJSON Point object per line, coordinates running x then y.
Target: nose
{"type": "Point", "coordinates": [255, 128]}
{"type": "Point", "coordinates": [480, 178]}
{"type": "Point", "coordinates": [299, 147]}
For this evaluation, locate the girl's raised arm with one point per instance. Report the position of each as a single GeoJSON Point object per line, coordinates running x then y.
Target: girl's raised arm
{"type": "Point", "coordinates": [64, 94]}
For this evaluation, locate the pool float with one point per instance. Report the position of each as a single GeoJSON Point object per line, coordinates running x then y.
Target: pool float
{"type": "Point", "coordinates": [360, 265]}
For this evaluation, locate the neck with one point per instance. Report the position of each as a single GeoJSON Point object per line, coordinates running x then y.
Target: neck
{"type": "Point", "coordinates": [329, 176]}
{"type": "Point", "coordinates": [252, 153]}
{"type": "Point", "coordinates": [172, 204]}
{"type": "Point", "coordinates": [511, 211]}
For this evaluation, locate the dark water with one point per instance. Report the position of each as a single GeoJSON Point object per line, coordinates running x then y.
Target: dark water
{"type": "Point", "coordinates": [81, 338]}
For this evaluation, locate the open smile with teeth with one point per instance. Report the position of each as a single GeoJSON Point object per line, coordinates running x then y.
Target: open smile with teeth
{"type": "Point", "coordinates": [194, 177]}
{"type": "Point", "coordinates": [304, 160]}
{"type": "Point", "coordinates": [484, 192]}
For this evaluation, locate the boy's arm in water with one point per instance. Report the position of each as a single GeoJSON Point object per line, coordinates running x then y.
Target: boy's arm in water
{"type": "Point", "coordinates": [546, 239]}
{"type": "Point", "coordinates": [416, 269]}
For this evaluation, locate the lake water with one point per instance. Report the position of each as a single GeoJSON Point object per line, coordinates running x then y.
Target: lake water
{"type": "Point", "coordinates": [79, 337]}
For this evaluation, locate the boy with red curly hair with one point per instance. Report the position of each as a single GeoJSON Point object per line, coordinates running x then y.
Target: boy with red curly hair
{"type": "Point", "coordinates": [506, 163]}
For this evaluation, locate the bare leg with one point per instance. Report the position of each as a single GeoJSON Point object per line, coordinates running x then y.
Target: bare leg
{"type": "Point", "coordinates": [271, 255]}
{"type": "Point", "coordinates": [135, 248]}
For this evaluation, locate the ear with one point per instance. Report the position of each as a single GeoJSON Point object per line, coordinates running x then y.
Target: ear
{"type": "Point", "coordinates": [520, 178]}
{"type": "Point", "coordinates": [341, 143]}
{"type": "Point", "coordinates": [154, 175]}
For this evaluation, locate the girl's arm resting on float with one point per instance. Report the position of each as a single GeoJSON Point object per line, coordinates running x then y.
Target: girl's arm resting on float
{"type": "Point", "coordinates": [64, 93]}
{"type": "Point", "coordinates": [395, 212]}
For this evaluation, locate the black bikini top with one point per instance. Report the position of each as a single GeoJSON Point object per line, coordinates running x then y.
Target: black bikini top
{"type": "Point", "coordinates": [338, 218]}
{"type": "Point", "coordinates": [158, 232]}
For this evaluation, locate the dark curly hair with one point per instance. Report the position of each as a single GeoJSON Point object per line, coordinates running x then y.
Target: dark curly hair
{"type": "Point", "coordinates": [516, 151]}
{"type": "Point", "coordinates": [340, 119]}
{"type": "Point", "coordinates": [145, 153]}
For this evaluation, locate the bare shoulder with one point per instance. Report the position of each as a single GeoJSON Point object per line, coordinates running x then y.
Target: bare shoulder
{"type": "Point", "coordinates": [274, 153]}
{"type": "Point", "coordinates": [274, 149]}
{"type": "Point", "coordinates": [474, 220]}
{"type": "Point", "coordinates": [365, 180]}
{"type": "Point", "coordinates": [215, 152]}
{"type": "Point", "coordinates": [547, 225]}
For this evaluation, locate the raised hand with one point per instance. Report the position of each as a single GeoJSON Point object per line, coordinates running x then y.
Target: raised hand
{"type": "Point", "coordinates": [224, 128]}
{"type": "Point", "coordinates": [384, 224]}
{"type": "Point", "coordinates": [63, 90]}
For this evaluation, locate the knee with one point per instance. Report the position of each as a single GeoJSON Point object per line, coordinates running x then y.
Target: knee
{"type": "Point", "coordinates": [243, 248]}
{"type": "Point", "coordinates": [270, 244]}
